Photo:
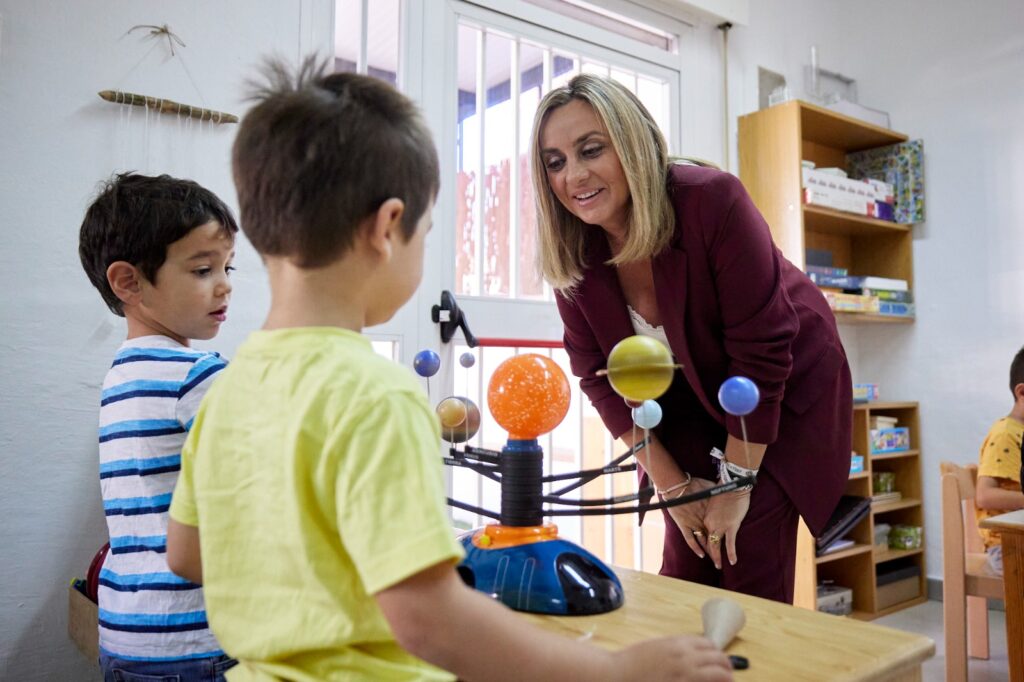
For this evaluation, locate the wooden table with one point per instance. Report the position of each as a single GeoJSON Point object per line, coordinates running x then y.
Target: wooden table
{"type": "Point", "coordinates": [1011, 527]}
{"type": "Point", "coordinates": [782, 642]}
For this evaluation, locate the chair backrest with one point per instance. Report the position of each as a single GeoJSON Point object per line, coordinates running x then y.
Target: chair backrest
{"type": "Point", "coordinates": [958, 491]}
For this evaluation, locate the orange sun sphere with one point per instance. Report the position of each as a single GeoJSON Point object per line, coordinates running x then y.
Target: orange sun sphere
{"type": "Point", "coordinates": [528, 395]}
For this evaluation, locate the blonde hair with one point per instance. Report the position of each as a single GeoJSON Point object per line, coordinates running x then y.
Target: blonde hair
{"type": "Point", "coordinates": [643, 154]}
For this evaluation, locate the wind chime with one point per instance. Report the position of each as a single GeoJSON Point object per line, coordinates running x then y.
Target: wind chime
{"type": "Point", "coordinates": [160, 108]}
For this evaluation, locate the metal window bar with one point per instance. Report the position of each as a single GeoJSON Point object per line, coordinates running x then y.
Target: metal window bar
{"type": "Point", "coordinates": [403, 38]}
{"type": "Point", "coordinates": [362, 65]}
{"type": "Point", "coordinates": [481, 184]}
{"type": "Point", "coordinates": [513, 178]}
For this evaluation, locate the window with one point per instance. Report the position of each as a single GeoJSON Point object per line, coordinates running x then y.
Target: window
{"type": "Point", "coordinates": [365, 38]}
{"type": "Point", "coordinates": [502, 76]}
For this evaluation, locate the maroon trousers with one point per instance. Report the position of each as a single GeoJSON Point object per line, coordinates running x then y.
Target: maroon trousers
{"type": "Point", "coordinates": [765, 549]}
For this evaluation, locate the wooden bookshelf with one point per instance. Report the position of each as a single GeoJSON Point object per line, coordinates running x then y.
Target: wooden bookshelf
{"type": "Point", "coordinates": [855, 567]}
{"type": "Point", "coordinates": [772, 143]}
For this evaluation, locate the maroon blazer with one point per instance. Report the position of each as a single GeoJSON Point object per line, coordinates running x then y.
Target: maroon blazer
{"type": "Point", "coordinates": [731, 304]}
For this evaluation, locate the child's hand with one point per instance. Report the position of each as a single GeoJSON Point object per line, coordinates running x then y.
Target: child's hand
{"type": "Point", "coordinates": [689, 658]}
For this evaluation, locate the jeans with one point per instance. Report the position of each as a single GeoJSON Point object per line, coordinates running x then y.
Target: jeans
{"type": "Point", "coordinates": [187, 670]}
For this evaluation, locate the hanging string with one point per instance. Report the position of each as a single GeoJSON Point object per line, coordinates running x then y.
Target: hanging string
{"type": "Point", "coordinates": [137, 65]}
{"type": "Point", "coordinates": [145, 141]}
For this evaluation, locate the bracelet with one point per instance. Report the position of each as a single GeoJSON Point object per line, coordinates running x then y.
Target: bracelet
{"type": "Point", "coordinates": [678, 486]}
{"type": "Point", "coordinates": [727, 471]}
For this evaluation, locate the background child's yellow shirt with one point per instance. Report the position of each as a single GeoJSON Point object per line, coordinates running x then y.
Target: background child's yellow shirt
{"type": "Point", "coordinates": [1000, 459]}
{"type": "Point", "coordinates": [313, 472]}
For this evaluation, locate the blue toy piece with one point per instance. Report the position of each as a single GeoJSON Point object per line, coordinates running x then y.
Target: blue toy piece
{"type": "Point", "coordinates": [552, 576]}
{"type": "Point", "coordinates": [467, 359]}
{"type": "Point", "coordinates": [647, 414]}
{"type": "Point", "coordinates": [426, 363]}
{"type": "Point", "coordinates": [738, 396]}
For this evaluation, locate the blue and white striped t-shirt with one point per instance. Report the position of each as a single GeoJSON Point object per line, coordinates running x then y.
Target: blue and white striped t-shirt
{"type": "Point", "coordinates": [150, 396]}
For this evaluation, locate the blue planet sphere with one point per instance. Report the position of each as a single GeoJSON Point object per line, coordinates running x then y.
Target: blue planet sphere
{"type": "Point", "coordinates": [738, 396]}
{"type": "Point", "coordinates": [467, 360]}
{"type": "Point", "coordinates": [426, 363]}
{"type": "Point", "coordinates": [647, 415]}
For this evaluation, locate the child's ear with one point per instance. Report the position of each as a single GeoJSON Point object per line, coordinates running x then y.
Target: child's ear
{"type": "Point", "coordinates": [386, 226]}
{"type": "Point", "coordinates": [125, 281]}
{"type": "Point", "coordinates": [1018, 392]}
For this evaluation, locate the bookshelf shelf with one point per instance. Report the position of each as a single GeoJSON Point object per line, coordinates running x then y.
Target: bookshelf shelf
{"type": "Point", "coordinates": [826, 127]}
{"type": "Point", "coordinates": [893, 554]}
{"type": "Point", "coordinates": [881, 457]}
{"type": "Point", "coordinates": [871, 318]}
{"type": "Point", "coordinates": [905, 503]}
{"type": "Point", "coordinates": [898, 607]}
{"type": "Point", "coordinates": [882, 405]}
{"type": "Point", "coordinates": [843, 554]}
{"type": "Point", "coordinates": [831, 221]}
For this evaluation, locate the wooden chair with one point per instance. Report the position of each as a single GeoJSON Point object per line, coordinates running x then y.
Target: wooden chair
{"type": "Point", "coordinates": [967, 582]}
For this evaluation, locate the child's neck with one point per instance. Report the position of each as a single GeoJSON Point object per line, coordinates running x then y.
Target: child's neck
{"type": "Point", "coordinates": [140, 325]}
{"type": "Point", "coordinates": [332, 296]}
{"type": "Point", "coordinates": [1018, 411]}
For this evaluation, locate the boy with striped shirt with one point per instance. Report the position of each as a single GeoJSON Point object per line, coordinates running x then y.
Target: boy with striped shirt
{"type": "Point", "coordinates": [159, 251]}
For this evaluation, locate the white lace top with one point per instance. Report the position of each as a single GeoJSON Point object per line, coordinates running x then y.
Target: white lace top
{"type": "Point", "coordinates": [643, 328]}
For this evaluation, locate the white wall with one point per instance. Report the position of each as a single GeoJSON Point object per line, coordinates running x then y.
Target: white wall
{"type": "Point", "coordinates": [57, 140]}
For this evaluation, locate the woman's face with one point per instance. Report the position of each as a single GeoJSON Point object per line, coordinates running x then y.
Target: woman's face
{"type": "Point", "coordinates": [582, 167]}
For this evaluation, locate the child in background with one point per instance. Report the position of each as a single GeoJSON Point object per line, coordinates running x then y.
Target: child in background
{"type": "Point", "coordinates": [159, 250]}
{"type": "Point", "coordinates": [312, 478]}
{"type": "Point", "coordinates": [999, 472]}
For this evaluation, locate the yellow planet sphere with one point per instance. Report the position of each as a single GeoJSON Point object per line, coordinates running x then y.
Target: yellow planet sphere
{"type": "Point", "coordinates": [459, 417]}
{"type": "Point", "coordinates": [452, 412]}
{"type": "Point", "coordinates": [640, 368]}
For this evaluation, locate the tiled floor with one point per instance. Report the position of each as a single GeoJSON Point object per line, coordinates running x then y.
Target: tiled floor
{"type": "Point", "coordinates": [926, 619]}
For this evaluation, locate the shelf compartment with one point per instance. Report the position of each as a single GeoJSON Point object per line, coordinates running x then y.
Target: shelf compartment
{"type": "Point", "coordinates": [885, 253]}
{"type": "Point", "coordinates": [843, 554]}
{"type": "Point", "coordinates": [826, 127]}
{"type": "Point", "coordinates": [830, 221]}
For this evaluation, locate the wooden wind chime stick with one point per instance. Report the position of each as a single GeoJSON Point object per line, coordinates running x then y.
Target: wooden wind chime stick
{"type": "Point", "coordinates": [166, 106]}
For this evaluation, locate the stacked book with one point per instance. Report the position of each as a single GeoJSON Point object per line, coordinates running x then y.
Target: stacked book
{"type": "Point", "coordinates": [865, 294]}
{"type": "Point", "coordinates": [832, 188]}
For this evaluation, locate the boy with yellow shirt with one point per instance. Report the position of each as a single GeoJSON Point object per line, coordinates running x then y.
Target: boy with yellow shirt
{"type": "Point", "coordinates": [999, 471]}
{"type": "Point", "coordinates": [312, 478]}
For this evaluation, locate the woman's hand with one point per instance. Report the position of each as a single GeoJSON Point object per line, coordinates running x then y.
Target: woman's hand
{"type": "Point", "coordinates": [722, 519]}
{"type": "Point", "coordinates": [690, 518]}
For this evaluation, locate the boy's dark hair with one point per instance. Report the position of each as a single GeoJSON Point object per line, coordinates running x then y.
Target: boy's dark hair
{"type": "Point", "coordinates": [320, 153]}
{"type": "Point", "coordinates": [135, 218]}
{"type": "Point", "coordinates": [1017, 370]}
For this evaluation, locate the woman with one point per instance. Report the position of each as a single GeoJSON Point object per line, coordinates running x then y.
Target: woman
{"type": "Point", "coordinates": [633, 243]}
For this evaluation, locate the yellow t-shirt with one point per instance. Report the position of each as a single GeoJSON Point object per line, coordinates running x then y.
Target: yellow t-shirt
{"type": "Point", "coordinates": [313, 472]}
{"type": "Point", "coordinates": [1000, 459]}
